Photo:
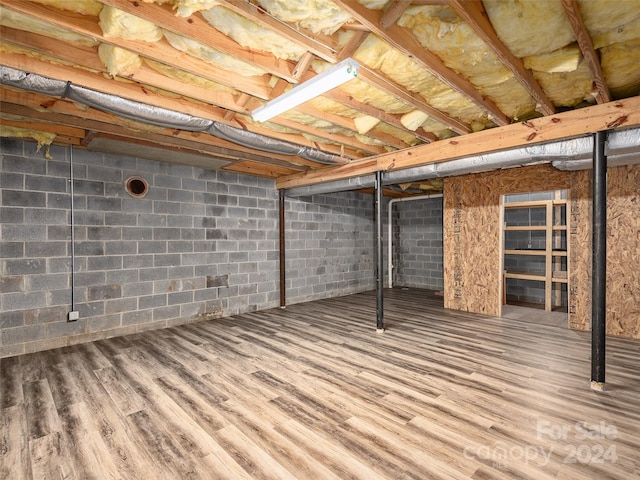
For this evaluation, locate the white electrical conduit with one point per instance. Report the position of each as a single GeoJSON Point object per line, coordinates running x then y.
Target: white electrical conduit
{"type": "Point", "coordinates": [390, 235]}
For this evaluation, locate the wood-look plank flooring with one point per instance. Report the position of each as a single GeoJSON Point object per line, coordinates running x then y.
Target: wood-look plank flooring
{"type": "Point", "coordinates": [313, 392]}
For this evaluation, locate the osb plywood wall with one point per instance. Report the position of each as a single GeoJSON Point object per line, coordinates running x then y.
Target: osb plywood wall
{"type": "Point", "coordinates": [623, 251]}
{"type": "Point", "coordinates": [472, 274]}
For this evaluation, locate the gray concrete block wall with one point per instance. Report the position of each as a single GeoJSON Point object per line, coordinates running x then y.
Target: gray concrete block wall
{"type": "Point", "coordinates": [418, 244]}
{"type": "Point", "coordinates": [199, 245]}
{"type": "Point", "coordinates": [330, 245]}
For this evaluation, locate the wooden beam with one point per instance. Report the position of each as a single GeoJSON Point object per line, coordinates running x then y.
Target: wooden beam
{"type": "Point", "coordinates": [159, 51]}
{"type": "Point", "coordinates": [63, 112]}
{"type": "Point", "coordinates": [352, 45]}
{"type": "Point", "coordinates": [393, 13]}
{"type": "Point", "coordinates": [572, 9]}
{"type": "Point", "coordinates": [197, 28]}
{"type": "Point", "coordinates": [321, 45]}
{"type": "Point", "coordinates": [88, 57]}
{"type": "Point", "coordinates": [407, 43]}
{"type": "Point", "coordinates": [608, 116]}
{"type": "Point", "coordinates": [137, 92]}
{"type": "Point", "coordinates": [474, 14]}
{"type": "Point", "coordinates": [384, 84]}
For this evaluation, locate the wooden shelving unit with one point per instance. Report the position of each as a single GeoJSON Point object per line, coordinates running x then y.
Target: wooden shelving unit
{"type": "Point", "coordinates": [555, 271]}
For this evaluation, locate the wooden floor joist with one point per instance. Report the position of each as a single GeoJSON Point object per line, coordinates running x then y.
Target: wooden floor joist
{"type": "Point", "coordinates": [312, 392]}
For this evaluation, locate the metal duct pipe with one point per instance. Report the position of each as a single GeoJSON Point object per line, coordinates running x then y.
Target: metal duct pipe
{"type": "Point", "coordinates": [163, 117]}
{"type": "Point", "coordinates": [626, 159]}
{"type": "Point", "coordinates": [366, 181]}
{"type": "Point", "coordinates": [623, 149]}
{"type": "Point", "coordinates": [423, 172]}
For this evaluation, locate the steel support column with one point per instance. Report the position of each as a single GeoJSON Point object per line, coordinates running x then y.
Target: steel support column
{"type": "Point", "coordinates": [283, 280]}
{"type": "Point", "coordinates": [379, 259]}
{"type": "Point", "coordinates": [599, 263]}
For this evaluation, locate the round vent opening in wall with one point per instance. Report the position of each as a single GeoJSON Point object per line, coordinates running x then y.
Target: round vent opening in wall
{"type": "Point", "coordinates": [137, 187]}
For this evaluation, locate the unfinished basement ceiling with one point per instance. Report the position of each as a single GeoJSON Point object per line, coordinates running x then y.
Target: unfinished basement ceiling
{"type": "Point", "coordinates": [432, 72]}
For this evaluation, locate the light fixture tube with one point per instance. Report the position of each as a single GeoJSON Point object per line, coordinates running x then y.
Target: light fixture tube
{"type": "Point", "coordinates": [325, 81]}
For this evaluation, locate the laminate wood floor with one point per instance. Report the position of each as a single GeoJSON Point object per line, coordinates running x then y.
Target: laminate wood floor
{"type": "Point", "coordinates": [313, 392]}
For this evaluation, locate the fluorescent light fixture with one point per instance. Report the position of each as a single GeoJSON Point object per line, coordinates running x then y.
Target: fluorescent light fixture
{"type": "Point", "coordinates": [327, 80]}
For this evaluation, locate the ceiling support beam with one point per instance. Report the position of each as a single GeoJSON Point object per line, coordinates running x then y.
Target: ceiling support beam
{"type": "Point", "coordinates": [601, 90]}
{"type": "Point", "coordinates": [475, 15]}
{"type": "Point", "coordinates": [407, 43]}
{"type": "Point", "coordinates": [623, 113]}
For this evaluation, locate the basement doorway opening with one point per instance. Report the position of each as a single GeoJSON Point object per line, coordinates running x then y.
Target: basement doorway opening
{"type": "Point", "coordinates": [535, 277]}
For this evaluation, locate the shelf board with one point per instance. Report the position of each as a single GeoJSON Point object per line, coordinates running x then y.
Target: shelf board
{"type": "Point", "coordinates": [524, 228]}
{"type": "Point", "coordinates": [539, 253]}
{"type": "Point", "coordinates": [532, 276]}
{"type": "Point", "coordinates": [535, 203]}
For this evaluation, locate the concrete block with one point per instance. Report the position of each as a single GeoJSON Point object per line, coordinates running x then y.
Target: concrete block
{"type": "Point", "coordinates": [18, 198]}
{"type": "Point", "coordinates": [122, 277]}
{"type": "Point", "coordinates": [152, 220]}
{"type": "Point", "coordinates": [23, 334]}
{"type": "Point", "coordinates": [105, 263]}
{"type": "Point", "coordinates": [104, 292]}
{"type": "Point", "coordinates": [9, 283]}
{"type": "Point", "coordinates": [194, 184]}
{"type": "Point", "coordinates": [11, 215]}
{"type": "Point", "coordinates": [152, 301]}
{"type": "Point", "coordinates": [45, 183]}
{"type": "Point", "coordinates": [11, 181]}
{"type": "Point", "coordinates": [106, 173]}
{"type": "Point", "coordinates": [205, 294]}
{"type": "Point", "coordinates": [45, 249]}
{"type": "Point", "coordinates": [120, 305]}
{"type": "Point", "coordinates": [90, 248]}
{"type": "Point", "coordinates": [137, 205]}
{"type": "Point", "coordinates": [119, 247]}
{"type": "Point", "coordinates": [12, 319]}
{"type": "Point", "coordinates": [137, 261]}
{"type": "Point", "coordinates": [166, 233]}
{"type": "Point", "coordinates": [180, 272]}
{"type": "Point", "coordinates": [120, 219]}
{"type": "Point", "coordinates": [45, 216]}
{"type": "Point", "coordinates": [137, 317]}
{"type": "Point", "coordinates": [153, 274]}
{"type": "Point", "coordinates": [175, 298]}
{"type": "Point", "coordinates": [195, 234]}
{"type": "Point", "coordinates": [166, 260]}
{"type": "Point", "coordinates": [179, 246]}
{"type": "Point", "coordinates": [180, 221]}
{"type": "Point", "coordinates": [91, 309]}
{"type": "Point", "coordinates": [215, 234]}
{"type": "Point", "coordinates": [155, 247]}
{"type": "Point", "coordinates": [47, 282]}
{"type": "Point", "coordinates": [25, 266]}
{"type": "Point", "coordinates": [104, 204]}
{"type": "Point", "coordinates": [137, 233]}
{"type": "Point", "coordinates": [66, 329]}
{"type": "Point", "coordinates": [85, 278]}
{"type": "Point", "coordinates": [103, 323]}
{"type": "Point", "coordinates": [164, 207]}
{"type": "Point", "coordinates": [182, 196]}
{"type": "Point", "coordinates": [167, 181]}
{"type": "Point", "coordinates": [165, 313]}
{"type": "Point", "coordinates": [19, 164]}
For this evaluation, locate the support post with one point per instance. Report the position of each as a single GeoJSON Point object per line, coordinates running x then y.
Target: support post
{"type": "Point", "coordinates": [283, 283]}
{"type": "Point", "coordinates": [379, 259]}
{"type": "Point", "coordinates": [599, 263]}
